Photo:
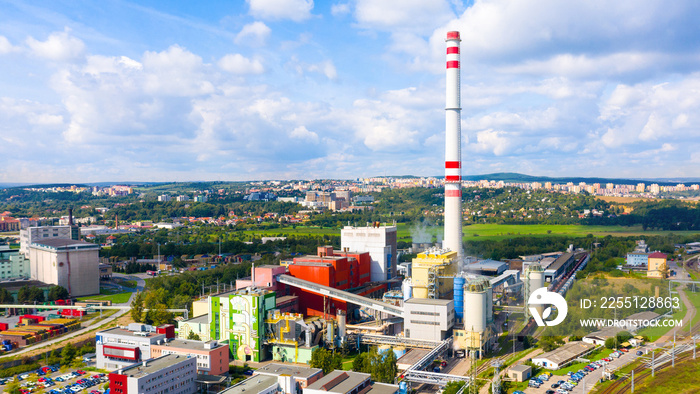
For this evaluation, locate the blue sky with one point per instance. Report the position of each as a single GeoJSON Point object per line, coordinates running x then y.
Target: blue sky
{"type": "Point", "coordinates": [297, 89]}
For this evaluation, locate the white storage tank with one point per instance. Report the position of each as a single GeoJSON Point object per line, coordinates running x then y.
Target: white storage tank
{"type": "Point", "coordinates": [475, 310]}
{"type": "Point", "coordinates": [489, 302]}
{"type": "Point", "coordinates": [407, 289]}
{"type": "Point", "coordinates": [535, 278]}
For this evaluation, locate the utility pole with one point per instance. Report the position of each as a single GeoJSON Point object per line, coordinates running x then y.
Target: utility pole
{"type": "Point", "coordinates": [652, 363]}
{"type": "Point", "coordinates": [633, 380]}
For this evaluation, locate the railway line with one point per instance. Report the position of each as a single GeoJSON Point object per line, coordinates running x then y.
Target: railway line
{"type": "Point", "coordinates": [641, 372]}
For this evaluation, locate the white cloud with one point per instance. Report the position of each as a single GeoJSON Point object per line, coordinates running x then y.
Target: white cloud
{"type": "Point", "coordinates": [238, 64]}
{"type": "Point", "coordinates": [303, 133]}
{"type": "Point", "coordinates": [326, 68]}
{"type": "Point", "coordinates": [497, 142]}
{"type": "Point", "coordinates": [583, 66]}
{"type": "Point", "coordinates": [408, 15]}
{"type": "Point", "coordinates": [59, 46]}
{"type": "Point", "coordinates": [296, 10]}
{"type": "Point", "coordinates": [6, 46]}
{"type": "Point", "coordinates": [340, 9]}
{"type": "Point", "coordinates": [175, 71]}
{"type": "Point", "coordinates": [253, 34]}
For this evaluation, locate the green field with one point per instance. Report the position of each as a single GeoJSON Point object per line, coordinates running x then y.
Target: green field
{"type": "Point", "coordinates": [484, 231]}
{"type": "Point", "coordinates": [595, 356]}
{"type": "Point", "coordinates": [119, 298]}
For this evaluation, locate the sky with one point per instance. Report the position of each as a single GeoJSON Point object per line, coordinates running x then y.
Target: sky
{"type": "Point", "coordinates": [164, 91]}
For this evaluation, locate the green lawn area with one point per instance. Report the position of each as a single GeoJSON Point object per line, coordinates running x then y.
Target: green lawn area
{"type": "Point", "coordinates": [695, 300]}
{"type": "Point", "coordinates": [693, 273]}
{"type": "Point", "coordinates": [115, 298]}
{"type": "Point", "coordinates": [595, 356]}
{"type": "Point", "coordinates": [484, 231]}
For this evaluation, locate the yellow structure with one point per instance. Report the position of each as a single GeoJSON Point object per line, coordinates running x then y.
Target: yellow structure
{"type": "Point", "coordinates": [200, 307]}
{"type": "Point", "coordinates": [657, 267]}
{"type": "Point", "coordinates": [433, 272]}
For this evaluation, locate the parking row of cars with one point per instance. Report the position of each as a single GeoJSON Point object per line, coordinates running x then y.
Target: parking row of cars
{"type": "Point", "coordinates": [82, 384]}
{"type": "Point", "coordinates": [44, 381]}
{"type": "Point", "coordinates": [539, 381]}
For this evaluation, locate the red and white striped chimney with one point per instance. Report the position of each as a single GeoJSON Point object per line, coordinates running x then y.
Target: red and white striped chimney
{"type": "Point", "coordinates": [453, 161]}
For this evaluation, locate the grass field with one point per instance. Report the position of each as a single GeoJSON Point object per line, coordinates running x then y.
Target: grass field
{"type": "Point", "coordinates": [477, 232]}
{"type": "Point", "coordinates": [684, 378]}
{"type": "Point", "coordinates": [655, 333]}
{"type": "Point", "coordinates": [119, 298]}
{"type": "Point", "coordinates": [595, 356]}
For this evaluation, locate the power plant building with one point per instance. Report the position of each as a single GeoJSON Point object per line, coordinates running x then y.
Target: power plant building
{"type": "Point", "coordinates": [433, 272]}
{"type": "Point", "coordinates": [30, 235]}
{"type": "Point", "coordinates": [173, 374]}
{"type": "Point", "coordinates": [379, 241]}
{"type": "Point", "coordinates": [428, 319]}
{"type": "Point", "coordinates": [238, 318]}
{"type": "Point", "coordinates": [68, 263]}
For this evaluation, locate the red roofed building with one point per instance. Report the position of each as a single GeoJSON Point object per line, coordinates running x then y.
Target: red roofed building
{"type": "Point", "coordinates": [657, 266]}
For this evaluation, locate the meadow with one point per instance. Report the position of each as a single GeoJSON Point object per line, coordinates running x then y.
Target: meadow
{"type": "Point", "coordinates": [475, 232]}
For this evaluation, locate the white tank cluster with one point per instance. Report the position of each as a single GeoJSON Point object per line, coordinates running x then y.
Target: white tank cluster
{"type": "Point", "coordinates": [478, 305]}
{"type": "Point", "coordinates": [535, 280]}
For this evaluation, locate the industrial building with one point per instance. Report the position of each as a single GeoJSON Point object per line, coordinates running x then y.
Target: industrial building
{"type": "Point", "coordinates": [487, 267]}
{"type": "Point", "coordinates": [29, 235]}
{"type": "Point", "coordinates": [637, 259]}
{"type": "Point", "coordinates": [172, 373]}
{"type": "Point", "coordinates": [342, 271]}
{"type": "Point", "coordinates": [430, 319]}
{"type": "Point", "coordinates": [379, 241]}
{"type": "Point", "coordinates": [198, 325]}
{"type": "Point", "coordinates": [563, 264]}
{"type": "Point", "coordinates": [68, 263]}
{"type": "Point", "coordinates": [657, 267]}
{"type": "Point", "coordinates": [432, 273]}
{"type": "Point", "coordinates": [238, 319]}
{"type": "Point", "coordinates": [120, 347]}
{"type": "Point", "coordinates": [293, 379]}
{"type": "Point", "coordinates": [13, 264]}
{"type": "Point", "coordinates": [212, 356]}
{"type": "Point", "coordinates": [348, 382]}
{"type": "Point", "coordinates": [563, 355]}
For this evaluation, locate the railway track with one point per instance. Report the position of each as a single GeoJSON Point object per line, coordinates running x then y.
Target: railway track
{"type": "Point", "coordinates": [640, 373]}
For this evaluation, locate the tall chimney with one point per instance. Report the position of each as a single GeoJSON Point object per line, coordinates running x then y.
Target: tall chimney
{"type": "Point", "coordinates": [70, 216]}
{"type": "Point", "coordinates": [453, 145]}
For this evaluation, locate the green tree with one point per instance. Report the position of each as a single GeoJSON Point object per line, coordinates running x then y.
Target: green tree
{"type": "Point", "coordinates": [137, 307]}
{"type": "Point", "coordinates": [610, 343]}
{"type": "Point", "coordinates": [54, 358]}
{"type": "Point", "coordinates": [57, 293]}
{"type": "Point", "coordinates": [13, 387]}
{"type": "Point", "coordinates": [159, 315]}
{"type": "Point", "coordinates": [549, 343]}
{"type": "Point", "coordinates": [326, 360]}
{"type": "Point", "coordinates": [6, 297]}
{"type": "Point", "coordinates": [193, 336]}
{"type": "Point", "coordinates": [360, 362]}
{"type": "Point", "coordinates": [68, 354]}
{"type": "Point", "coordinates": [28, 294]}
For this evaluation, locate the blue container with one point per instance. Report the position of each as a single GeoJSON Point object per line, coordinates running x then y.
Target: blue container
{"type": "Point", "coordinates": [458, 293]}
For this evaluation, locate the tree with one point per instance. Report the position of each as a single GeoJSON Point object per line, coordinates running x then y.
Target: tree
{"type": "Point", "coordinates": [57, 293]}
{"type": "Point", "coordinates": [610, 343]}
{"type": "Point", "coordinates": [137, 307]}
{"type": "Point", "coordinates": [193, 336]}
{"type": "Point", "coordinates": [548, 343]}
{"type": "Point", "coordinates": [6, 297]}
{"type": "Point", "coordinates": [359, 363]}
{"type": "Point", "coordinates": [68, 354]}
{"type": "Point", "coordinates": [326, 360]}
{"type": "Point", "coordinates": [54, 358]}
{"type": "Point", "coordinates": [28, 294]}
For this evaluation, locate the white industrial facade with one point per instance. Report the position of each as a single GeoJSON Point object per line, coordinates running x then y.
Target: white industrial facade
{"type": "Point", "coordinates": [120, 347]}
{"type": "Point", "coordinates": [379, 241]}
{"type": "Point", "coordinates": [68, 263]}
{"type": "Point", "coordinates": [175, 374]}
{"type": "Point", "coordinates": [429, 319]}
{"type": "Point", "coordinates": [30, 235]}
{"type": "Point", "coordinates": [13, 264]}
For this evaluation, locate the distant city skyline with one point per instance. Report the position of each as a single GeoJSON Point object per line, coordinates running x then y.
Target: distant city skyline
{"type": "Point", "coordinates": [291, 89]}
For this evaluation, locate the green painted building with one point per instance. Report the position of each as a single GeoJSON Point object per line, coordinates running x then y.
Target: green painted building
{"type": "Point", "coordinates": [238, 318]}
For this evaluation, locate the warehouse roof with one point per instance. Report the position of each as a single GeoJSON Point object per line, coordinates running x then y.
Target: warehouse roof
{"type": "Point", "coordinates": [292, 370]}
{"type": "Point", "coordinates": [566, 353]}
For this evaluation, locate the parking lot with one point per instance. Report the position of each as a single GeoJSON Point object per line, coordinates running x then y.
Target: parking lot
{"type": "Point", "coordinates": [586, 383]}
{"type": "Point", "coordinates": [54, 381]}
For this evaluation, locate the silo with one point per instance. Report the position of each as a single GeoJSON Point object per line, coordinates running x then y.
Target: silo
{"type": "Point", "coordinates": [489, 302]}
{"type": "Point", "coordinates": [407, 289]}
{"type": "Point", "coordinates": [340, 315]}
{"type": "Point", "coordinates": [475, 307]}
{"type": "Point", "coordinates": [459, 298]}
{"type": "Point", "coordinates": [399, 351]}
{"type": "Point", "coordinates": [535, 279]}
{"type": "Point", "coordinates": [384, 349]}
